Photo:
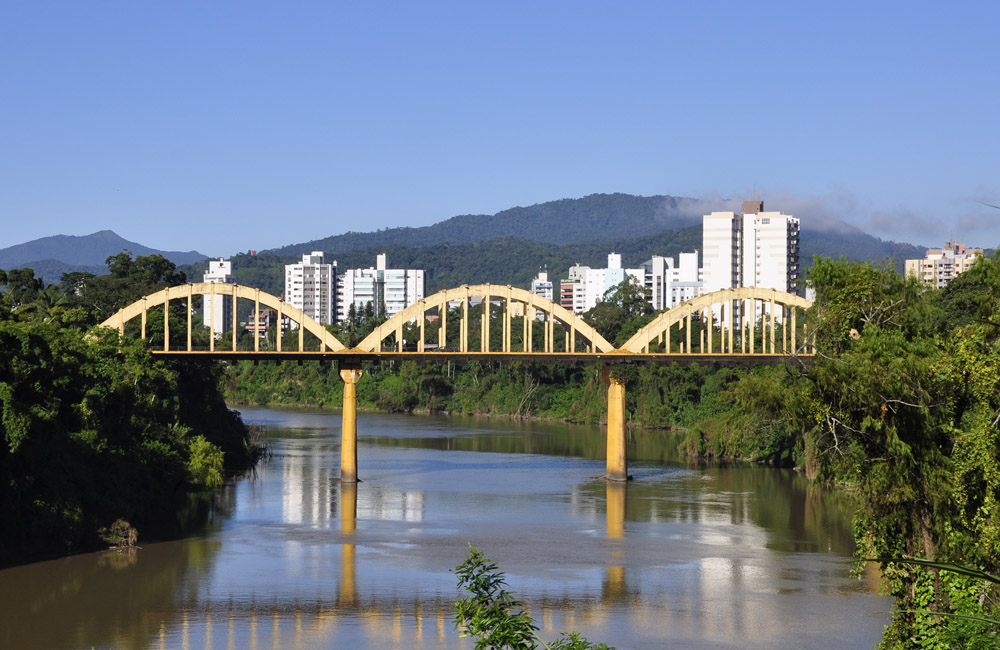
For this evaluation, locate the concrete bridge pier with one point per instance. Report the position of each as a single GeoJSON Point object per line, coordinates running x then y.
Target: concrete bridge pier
{"type": "Point", "coordinates": [617, 465]}
{"type": "Point", "coordinates": [349, 427]}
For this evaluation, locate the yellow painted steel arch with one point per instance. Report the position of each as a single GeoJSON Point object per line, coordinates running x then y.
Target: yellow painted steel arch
{"type": "Point", "coordinates": [532, 303]}
{"type": "Point", "coordinates": [327, 340]}
{"type": "Point", "coordinates": [640, 341]}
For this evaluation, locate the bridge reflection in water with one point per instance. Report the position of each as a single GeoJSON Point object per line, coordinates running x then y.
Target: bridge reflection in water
{"type": "Point", "coordinates": [297, 559]}
{"type": "Point", "coordinates": [403, 621]}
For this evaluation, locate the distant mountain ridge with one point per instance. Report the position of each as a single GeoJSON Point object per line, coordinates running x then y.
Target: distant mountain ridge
{"type": "Point", "coordinates": [460, 249]}
{"type": "Point", "coordinates": [593, 217]}
{"type": "Point", "coordinates": [50, 257]}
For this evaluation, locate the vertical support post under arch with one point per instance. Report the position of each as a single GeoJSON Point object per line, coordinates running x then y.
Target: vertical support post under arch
{"type": "Point", "coordinates": [506, 323]}
{"type": "Point", "coordinates": [420, 341]}
{"type": "Point", "coordinates": [524, 327]}
{"type": "Point", "coordinates": [701, 334]}
{"type": "Point", "coordinates": [281, 321]}
{"type": "Point", "coordinates": [143, 320]}
{"type": "Point", "coordinates": [784, 329]}
{"type": "Point", "coordinates": [794, 349]}
{"type": "Point", "coordinates": [166, 323]}
{"type": "Point", "coordinates": [349, 424]}
{"type": "Point", "coordinates": [529, 308]}
{"type": "Point", "coordinates": [256, 320]}
{"type": "Point", "coordinates": [485, 343]}
{"type": "Point", "coordinates": [464, 346]}
{"type": "Point", "coordinates": [211, 326]}
{"type": "Point", "coordinates": [772, 326]}
{"type": "Point", "coordinates": [708, 313]}
{"type": "Point", "coordinates": [730, 312]}
{"type": "Point", "coordinates": [617, 465]}
{"type": "Point", "coordinates": [550, 332]}
{"type": "Point", "coordinates": [443, 319]}
{"type": "Point", "coordinates": [234, 317]}
{"type": "Point", "coordinates": [687, 344]}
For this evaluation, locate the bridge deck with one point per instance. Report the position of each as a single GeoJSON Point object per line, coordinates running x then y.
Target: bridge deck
{"type": "Point", "coordinates": [347, 356]}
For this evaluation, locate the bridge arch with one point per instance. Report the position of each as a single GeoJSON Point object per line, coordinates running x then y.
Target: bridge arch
{"type": "Point", "coordinates": [735, 313]}
{"type": "Point", "coordinates": [235, 292]}
{"type": "Point", "coordinates": [534, 309]}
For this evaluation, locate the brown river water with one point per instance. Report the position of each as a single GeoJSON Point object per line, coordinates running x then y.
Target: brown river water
{"type": "Point", "coordinates": [684, 556]}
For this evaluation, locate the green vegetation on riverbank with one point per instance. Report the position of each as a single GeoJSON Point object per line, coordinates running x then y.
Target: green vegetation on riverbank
{"type": "Point", "coordinates": [95, 430]}
{"type": "Point", "coordinates": [658, 396]}
{"type": "Point", "coordinates": [902, 404]}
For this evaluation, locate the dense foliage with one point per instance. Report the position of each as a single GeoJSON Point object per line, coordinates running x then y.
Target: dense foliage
{"type": "Point", "coordinates": [594, 217]}
{"type": "Point", "coordinates": [94, 429]}
{"type": "Point", "coordinates": [901, 404]}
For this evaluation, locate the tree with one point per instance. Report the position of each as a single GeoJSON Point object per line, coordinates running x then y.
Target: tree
{"type": "Point", "coordinates": [623, 310]}
{"type": "Point", "coordinates": [906, 406]}
{"type": "Point", "coordinates": [495, 617]}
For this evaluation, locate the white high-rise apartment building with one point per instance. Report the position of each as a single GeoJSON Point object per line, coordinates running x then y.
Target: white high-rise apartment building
{"type": "Point", "coordinates": [752, 249]}
{"type": "Point", "coordinates": [572, 289]}
{"type": "Point", "coordinates": [217, 311]}
{"type": "Point", "coordinates": [393, 289]}
{"type": "Point", "coordinates": [542, 286]}
{"type": "Point", "coordinates": [311, 285]}
{"type": "Point", "coordinates": [586, 286]}
{"type": "Point", "coordinates": [670, 285]}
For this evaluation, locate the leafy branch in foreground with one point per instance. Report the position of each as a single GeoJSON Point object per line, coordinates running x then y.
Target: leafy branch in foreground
{"type": "Point", "coordinates": [971, 572]}
{"type": "Point", "coordinates": [968, 627]}
{"type": "Point", "coordinates": [495, 617]}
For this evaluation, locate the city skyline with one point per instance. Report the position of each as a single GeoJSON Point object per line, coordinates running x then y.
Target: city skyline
{"type": "Point", "coordinates": [185, 124]}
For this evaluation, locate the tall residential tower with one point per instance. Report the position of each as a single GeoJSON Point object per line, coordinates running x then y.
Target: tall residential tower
{"type": "Point", "coordinates": [390, 289]}
{"type": "Point", "coordinates": [217, 311]}
{"type": "Point", "coordinates": [752, 249]}
{"type": "Point", "coordinates": [311, 285]}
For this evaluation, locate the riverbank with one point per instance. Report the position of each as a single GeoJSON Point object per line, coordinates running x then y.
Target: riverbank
{"type": "Point", "coordinates": [657, 397]}
{"type": "Point", "coordinates": [101, 437]}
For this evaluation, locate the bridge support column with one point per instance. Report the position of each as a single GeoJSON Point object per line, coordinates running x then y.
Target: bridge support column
{"type": "Point", "coordinates": [617, 466]}
{"type": "Point", "coordinates": [349, 426]}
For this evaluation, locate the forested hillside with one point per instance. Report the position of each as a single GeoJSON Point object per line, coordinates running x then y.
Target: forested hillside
{"type": "Point", "coordinates": [594, 217]}
{"type": "Point", "coordinates": [498, 261]}
{"type": "Point", "coordinates": [516, 261]}
{"type": "Point", "coordinates": [510, 247]}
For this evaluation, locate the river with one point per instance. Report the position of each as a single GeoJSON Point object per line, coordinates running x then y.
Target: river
{"type": "Point", "coordinates": [685, 556]}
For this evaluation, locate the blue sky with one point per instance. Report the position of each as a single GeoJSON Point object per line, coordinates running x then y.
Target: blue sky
{"type": "Point", "coordinates": [227, 126]}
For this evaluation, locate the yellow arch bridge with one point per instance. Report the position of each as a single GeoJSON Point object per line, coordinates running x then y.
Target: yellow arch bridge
{"type": "Point", "coordinates": [733, 326]}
